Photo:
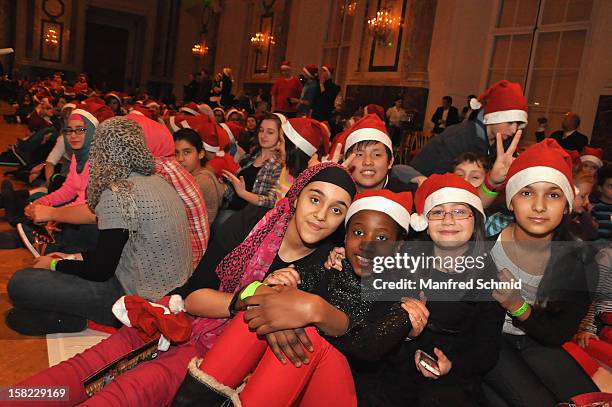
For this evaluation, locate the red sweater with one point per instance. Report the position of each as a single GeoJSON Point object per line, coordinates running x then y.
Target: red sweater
{"type": "Point", "coordinates": [284, 89]}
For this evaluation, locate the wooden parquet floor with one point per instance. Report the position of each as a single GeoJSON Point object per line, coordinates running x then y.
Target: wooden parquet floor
{"type": "Point", "coordinates": [20, 356]}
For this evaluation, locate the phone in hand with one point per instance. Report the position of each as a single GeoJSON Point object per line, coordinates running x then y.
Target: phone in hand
{"type": "Point", "coordinates": [429, 363]}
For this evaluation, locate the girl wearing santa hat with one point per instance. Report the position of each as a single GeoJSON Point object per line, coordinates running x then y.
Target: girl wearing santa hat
{"type": "Point", "coordinates": [554, 271]}
{"type": "Point", "coordinates": [189, 150]}
{"type": "Point", "coordinates": [591, 159]}
{"type": "Point", "coordinates": [462, 332]}
{"type": "Point", "coordinates": [318, 372]}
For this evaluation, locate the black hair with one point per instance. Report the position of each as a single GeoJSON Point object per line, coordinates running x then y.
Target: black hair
{"type": "Point", "coordinates": [470, 97]}
{"type": "Point", "coordinates": [296, 160]}
{"type": "Point", "coordinates": [603, 174]}
{"type": "Point", "coordinates": [363, 144]}
{"type": "Point", "coordinates": [191, 137]}
{"type": "Point", "coordinates": [473, 158]}
{"type": "Point", "coordinates": [449, 99]}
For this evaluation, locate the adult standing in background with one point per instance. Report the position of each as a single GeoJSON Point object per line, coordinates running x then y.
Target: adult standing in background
{"type": "Point", "coordinates": [204, 87]}
{"type": "Point", "coordinates": [395, 116]}
{"type": "Point", "coordinates": [467, 113]}
{"type": "Point", "coordinates": [445, 115]}
{"type": "Point", "coordinates": [310, 92]}
{"type": "Point", "coordinates": [324, 104]}
{"type": "Point", "coordinates": [286, 92]}
{"type": "Point", "coordinates": [227, 80]}
{"type": "Point", "coordinates": [569, 137]}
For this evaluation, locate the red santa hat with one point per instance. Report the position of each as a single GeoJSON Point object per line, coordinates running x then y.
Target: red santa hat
{"type": "Point", "coordinates": [233, 130]}
{"type": "Point", "coordinates": [307, 134]}
{"type": "Point", "coordinates": [368, 128]}
{"type": "Point", "coordinates": [592, 154]}
{"type": "Point", "coordinates": [396, 205]}
{"type": "Point", "coordinates": [376, 109]}
{"type": "Point", "coordinates": [114, 95]}
{"type": "Point", "coordinates": [504, 102]}
{"type": "Point", "coordinates": [203, 108]}
{"type": "Point", "coordinates": [310, 71]}
{"type": "Point", "coordinates": [69, 92]}
{"type": "Point", "coordinates": [153, 320]}
{"type": "Point", "coordinates": [180, 121]}
{"type": "Point", "coordinates": [209, 133]}
{"type": "Point", "coordinates": [575, 157]}
{"type": "Point", "coordinates": [439, 189]}
{"type": "Point", "coordinates": [328, 69]}
{"type": "Point", "coordinates": [141, 110]}
{"type": "Point", "coordinates": [95, 113]}
{"type": "Point", "coordinates": [545, 161]}
{"type": "Point", "coordinates": [231, 112]}
{"type": "Point", "coordinates": [286, 64]}
{"type": "Point", "coordinates": [151, 103]}
{"type": "Point", "coordinates": [190, 108]}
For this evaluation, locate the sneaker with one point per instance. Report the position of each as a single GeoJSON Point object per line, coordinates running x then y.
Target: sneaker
{"type": "Point", "coordinates": [38, 239]}
{"type": "Point", "coordinates": [8, 158]}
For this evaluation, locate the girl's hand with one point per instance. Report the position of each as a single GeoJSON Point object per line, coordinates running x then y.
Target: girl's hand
{"type": "Point", "coordinates": [510, 299]}
{"type": "Point", "coordinates": [292, 344]}
{"type": "Point", "coordinates": [444, 364]}
{"type": "Point", "coordinates": [417, 312]}
{"type": "Point", "coordinates": [286, 276]}
{"type": "Point", "coordinates": [238, 184]}
{"type": "Point", "coordinates": [289, 308]}
{"type": "Point", "coordinates": [583, 338]}
{"type": "Point", "coordinates": [334, 259]}
{"type": "Point", "coordinates": [40, 213]}
{"type": "Point", "coordinates": [43, 262]}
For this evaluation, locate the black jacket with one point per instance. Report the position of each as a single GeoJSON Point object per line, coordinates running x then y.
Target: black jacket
{"type": "Point", "coordinates": [575, 141]}
{"type": "Point", "coordinates": [451, 118]}
{"type": "Point", "coordinates": [324, 103]}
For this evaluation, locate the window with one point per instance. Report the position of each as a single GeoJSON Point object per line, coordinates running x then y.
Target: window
{"type": "Point", "coordinates": [539, 44]}
{"type": "Point", "coordinates": [338, 38]}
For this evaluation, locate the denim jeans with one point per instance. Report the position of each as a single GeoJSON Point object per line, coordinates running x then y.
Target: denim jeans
{"type": "Point", "coordinates": [60, 293]}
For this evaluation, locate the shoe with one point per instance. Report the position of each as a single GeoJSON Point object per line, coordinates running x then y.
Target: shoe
{"type": "Point", "coordinates": [38, 239]}
{"type": "Point", "coordinates": [40, 323]}
{"type": "Point", "coordinates": [8, 158]}
{"type": "Point", "coordinates": [9, 240]}
{"type": "Point", "coordinates": [201, 389]}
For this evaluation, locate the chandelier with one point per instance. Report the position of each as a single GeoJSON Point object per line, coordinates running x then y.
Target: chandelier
{"type": "Point", "coordinates": [259, 41]}
{"type": "Point", "coordinates": [51, 37]}
{"type": "Point", "coordinates": [199, 50]}
{"type": "Point", "coordinates": [382, 25]}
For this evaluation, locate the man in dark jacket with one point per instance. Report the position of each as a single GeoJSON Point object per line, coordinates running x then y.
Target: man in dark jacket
{"type": "Point", "coordinates": [324, 103]}
{"type": "Point", "coordinates": [570, 138]}
{"type": "Point", "coordinates": [504, 113]}
{"type": "Point", "coordinates": [445, 115]}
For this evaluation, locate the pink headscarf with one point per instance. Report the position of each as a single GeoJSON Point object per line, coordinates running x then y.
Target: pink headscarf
{"type": "Point", "coordinates": [157, 136]}
{"type": "Point", "coordinates": [251, 260]}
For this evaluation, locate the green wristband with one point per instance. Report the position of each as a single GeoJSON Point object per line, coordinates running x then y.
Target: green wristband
{"type": "Point", "coordinates": [53, 264]}
{"type": "Point", "coordinates": [488, 192]}
{"type": "Point", "coordinates": [249, 290]}
{"type": "Point", "coordinates": [521, 310]}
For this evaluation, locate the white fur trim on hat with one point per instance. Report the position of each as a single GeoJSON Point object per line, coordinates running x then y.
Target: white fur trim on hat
{"type": "Point", "coordinates": [326, 69]}
{"type": "Point", "coordinates": [505, 116]}
{"type": "Point", "coordinates": [307, 72]}
{"type": "Point", "coordinates": [211, 149]}
{"type": "Point", "coordinates": [380, 204]}
{"type": "Point", "coordinates": [451, 194]}
{"type": "Point", "coordinates": [228, 131]}
{"type": "Point", "coordinates": [418, 222]}
{"type": "Point", "coordinates": [173, 124]}
{"type": "Point", "coordinates": [87, 115]}
{"type": "Point", "coordinates": [282, 117]}
{"type": "Point", "coordinates": [475, 104]}
{"type": "Point", "coordinates": [539, 174]}
{"type": "Point", "coordinates": [152, 104]}
{"type": "Point", "coordinates": [188, 110]}
{"type": "Point", "coordinates": [297, 139]}
{"type": "Point", "coordinates": [368, 134]}
{"type": "Point", "coordinates": [286, 66]}
{"type": "Point", "coordinates": [592, 158]}
{"type": "Point", "coordinates": [69, 105]}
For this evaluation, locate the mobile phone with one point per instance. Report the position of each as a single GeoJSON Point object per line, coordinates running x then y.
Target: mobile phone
{"type": "Point", "coordinates": [429, 363]}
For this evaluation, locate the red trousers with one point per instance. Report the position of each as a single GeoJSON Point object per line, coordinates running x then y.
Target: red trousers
{"type": "Point", "coordinates": [325, 380]}
{"type": "Point", "coordinates": [152, 383]}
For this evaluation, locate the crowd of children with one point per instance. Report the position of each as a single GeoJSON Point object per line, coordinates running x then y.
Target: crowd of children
{"type": "Point", "coordinates": [243, 243]}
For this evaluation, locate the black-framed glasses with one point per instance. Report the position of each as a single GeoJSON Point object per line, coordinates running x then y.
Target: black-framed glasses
{"type": "Point", "coordinates": [77, 130]}
{"type": "Point", "coordinates": [456, 214]}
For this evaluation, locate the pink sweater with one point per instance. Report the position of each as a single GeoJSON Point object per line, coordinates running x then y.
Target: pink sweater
{"type": "Point", "coordinates": [75, 186]}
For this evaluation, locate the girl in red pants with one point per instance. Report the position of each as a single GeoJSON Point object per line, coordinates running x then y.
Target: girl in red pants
{"type": "Point", "coordinates": [323, 375]}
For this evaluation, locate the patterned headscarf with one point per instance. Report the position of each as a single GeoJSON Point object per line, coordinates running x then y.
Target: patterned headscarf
{"type": "Point", "coordinates": [251, 260]}
{"type": "Point", "coordinates": [118, 149]}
